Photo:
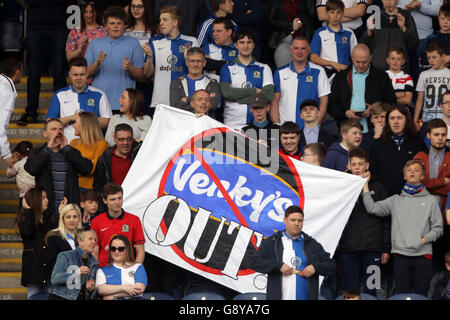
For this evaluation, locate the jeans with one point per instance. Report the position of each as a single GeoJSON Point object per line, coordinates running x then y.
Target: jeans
{"type": "Point", "coordinates": [355, 268]}
{"type": "Point", "coordinates": [416, 269]}
{"type": "Point", "coordinates": [44, 46]}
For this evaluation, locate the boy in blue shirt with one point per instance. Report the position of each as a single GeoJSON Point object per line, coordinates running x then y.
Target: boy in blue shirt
{"type": "Point", "coordinates": [332, 44]}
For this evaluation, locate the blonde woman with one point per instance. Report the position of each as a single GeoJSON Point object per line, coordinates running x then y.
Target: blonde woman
{"type": "Point", "coordinates": [122, 278]}
{"type": "Point", "coordinates": [131, 103]}
{"type": "Point", "coordinates": [62, 238]}
{"type": "Point", "coordinates": [90, 143]}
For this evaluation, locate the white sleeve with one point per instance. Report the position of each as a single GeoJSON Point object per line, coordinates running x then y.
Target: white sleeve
{"type": "Point", "coordinates": [6, 100]}
{"type": "Point", "coordinates": [100, 278]}
{"type": "Point", "coordinates": [145, 126]}
{"type": "Point", "coordinates": [420, 83]}
{"type": "Point", "coordinates": [104, 107]}
{"type": "Point", "coordinates": [323, 84]}
{"type": "Point", "coordinates": [267, 76]}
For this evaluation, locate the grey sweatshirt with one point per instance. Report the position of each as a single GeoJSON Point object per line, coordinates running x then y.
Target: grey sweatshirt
{"type": "Point", "coordinates": [413, 217]}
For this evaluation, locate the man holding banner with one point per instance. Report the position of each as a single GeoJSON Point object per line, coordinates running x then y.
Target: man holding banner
{"type": "Point", "coordinates": [293, 261]}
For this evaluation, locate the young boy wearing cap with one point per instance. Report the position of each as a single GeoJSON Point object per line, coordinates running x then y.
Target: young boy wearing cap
{"type": "Point", "coordinates": [311, 132]}
{"type": "Point", "coordinates": [261, 128]}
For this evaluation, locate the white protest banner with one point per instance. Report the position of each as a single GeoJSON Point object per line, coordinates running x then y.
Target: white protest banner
{"type": "Point", "coordinates": [207, 195]}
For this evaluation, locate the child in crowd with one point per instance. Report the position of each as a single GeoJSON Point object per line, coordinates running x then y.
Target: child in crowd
{"type": "Point", "coordinates": [378, 111]}
{"type": "Point", "coordinates": [431, 86]}
{"type": "Point", "coordinates": [89, 204]}
{"type": "Point", "coordinates": [352, 295]}
{"type": "Point", "coordinates": [416, 224]}
{"type": "Point", "coordinates": [24, 180]}
{"type": "Point", "coordinates": [337, 154]}
{"type": "Point", "coordinates": [311, 132]}
{"type": "Point", "coordinates": [332, 44]}
{"type": "Point", "coordinates": [314, 153]}
{"type": "Point", "coordinates": [440, 284]}
{"type": "Point", "coordinates": [401, 82]}
{"type": "Point", "coordinates": [442, 35]}
{"type": "Point", "coordinates": [261, 128]}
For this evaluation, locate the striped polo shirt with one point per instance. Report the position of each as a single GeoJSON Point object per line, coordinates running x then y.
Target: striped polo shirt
{"type": "Point", "coordinates": [334, 46]}
{"type": "Point", "coordinates": [168, 59]}
{"type": "Point", "coordinates": [254, 75]}
{"type": "Point", "coordinates": [311, 83]}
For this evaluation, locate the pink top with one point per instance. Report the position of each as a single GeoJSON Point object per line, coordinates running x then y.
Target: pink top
{"type": "Point", "coordinates": [76, 36]}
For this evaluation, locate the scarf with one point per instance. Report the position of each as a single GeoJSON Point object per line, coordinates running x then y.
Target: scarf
{"type": "Point", "coordinates": [412, 189]}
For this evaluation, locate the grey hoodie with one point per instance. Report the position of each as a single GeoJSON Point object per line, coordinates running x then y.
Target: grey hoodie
{"type": "Point", "coordinates": [413, 217]}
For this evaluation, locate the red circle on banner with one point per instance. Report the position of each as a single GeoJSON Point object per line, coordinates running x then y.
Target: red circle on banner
{"type": "Point", "coordinates": [190, 145]}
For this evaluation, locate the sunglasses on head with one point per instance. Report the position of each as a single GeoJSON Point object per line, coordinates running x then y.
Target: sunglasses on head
{"type": "Point", "coordinates": [113, 249]}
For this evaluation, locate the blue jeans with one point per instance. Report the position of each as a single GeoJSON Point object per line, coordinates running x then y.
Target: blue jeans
{"type": "Point", "coordinates": [44, 47]}
{"type": "Point", "coordinates": [354, 269]}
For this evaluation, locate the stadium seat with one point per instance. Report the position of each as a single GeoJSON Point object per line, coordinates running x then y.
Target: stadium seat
{"type": "Point", "coordinates": [203, 296]}
{"type": "Point", "coordinates": [39, 296]}
{"type": "Point", "coordinates": [157, 296]}
{"type": "Point", "coordinates": [250, 296]}
{"type": "Point", "coordinates": [364, 296]}
{"type": "Point", "coordinates": [321, 297]}
{"type": "Point", "coordinates": [407, 296]}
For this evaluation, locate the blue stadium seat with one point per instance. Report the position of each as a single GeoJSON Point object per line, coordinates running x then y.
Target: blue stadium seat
{"type": "Point", "coordinates": [407, 296]}
{"type": "Point", "coordinates": [250, 296]}
{"type": "Point", "coordinates": [157, 296]}
{"type": "Point", "coordinates": [364, 296]}
{"type": "Point", "coordinates": [39, 296]}
{"type": "Point", "coordinates": [321, 297]}
{"type": "Point", "coordinates": [203, 296]}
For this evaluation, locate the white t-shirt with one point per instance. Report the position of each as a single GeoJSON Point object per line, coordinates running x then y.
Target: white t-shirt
{"type": "Point", "coordinates": [433, 83]}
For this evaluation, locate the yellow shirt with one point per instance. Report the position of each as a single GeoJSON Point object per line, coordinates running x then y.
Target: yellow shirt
{"type": "Point", "coordinates": [91, 152]}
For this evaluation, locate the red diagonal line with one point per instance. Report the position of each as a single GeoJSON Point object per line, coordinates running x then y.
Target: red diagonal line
{"type": "Point", "coordinates": [223, 191]}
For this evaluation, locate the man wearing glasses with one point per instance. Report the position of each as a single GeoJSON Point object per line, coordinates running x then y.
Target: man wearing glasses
{"type": "Point", "coordinates": [114, 163]}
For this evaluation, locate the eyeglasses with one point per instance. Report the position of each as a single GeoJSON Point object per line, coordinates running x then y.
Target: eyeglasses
{"type": "Point", "coordinates": [136, 7]}
{"type": "Point", "coordinates": [113, 249]}
{"type": "Point", "coordinates": [124, 139]}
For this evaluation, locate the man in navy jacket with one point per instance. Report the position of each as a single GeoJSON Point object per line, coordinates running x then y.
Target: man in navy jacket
{"type": "Point", "coordinates": [309, 260]}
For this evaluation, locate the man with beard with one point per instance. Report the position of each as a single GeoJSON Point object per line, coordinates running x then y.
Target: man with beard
{"type": "Point", "coordinates": [56, 166]}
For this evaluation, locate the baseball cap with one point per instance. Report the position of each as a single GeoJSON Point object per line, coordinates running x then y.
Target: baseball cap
{"type": "Point", "coordinates": [258, 100]}
{"type": "Point", "coordinates": [309, 102]}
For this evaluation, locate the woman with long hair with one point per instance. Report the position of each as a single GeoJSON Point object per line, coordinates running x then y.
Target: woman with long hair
{"type": "Point", "coordinates": [34, 221]}
{"type": "Point", "coordinates": [399, 143]}
{"type": "Point", "coordinates": [90, 143]}
{"type": "Point", "coordinates": [141, 26]}
{"type": "Point", "coordinates": [122, 278]}
{"type": "Point", "coordinates": [62, 238]}
{"type": "Point", "coordinates": [131, 103]}
{"type": "Point", "coordinates": [79, 38]}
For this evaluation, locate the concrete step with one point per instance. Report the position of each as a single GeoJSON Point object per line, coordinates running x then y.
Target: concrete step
{"type": "Point", "coordinates": [13, 293]}
{"type": "Point", "coordinates": [11, 265]}
{"type": "Point", "coordinates": [30, 131]}
{"type": "Point", "coordinates": [10, 280]}
{"type": "Point", "coordinates": [9, 191]}
{"type": "Point", "coordinates": [11, 205]}
{"type": "Point", "coordinates": [8, 220]}
{"type": "Point", "coordinates": [17, 113]}
{"type": "Point", "coordinates": [44, 101]}
{"type": "Point", "coordinates": [12, 250]}
{"type": "Point", "coordinates": [46, 84]}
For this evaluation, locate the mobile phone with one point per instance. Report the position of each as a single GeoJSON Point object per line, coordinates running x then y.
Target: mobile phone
{"type": "Point", "coordinates": [359, 113]}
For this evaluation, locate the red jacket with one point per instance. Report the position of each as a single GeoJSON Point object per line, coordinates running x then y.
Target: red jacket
{"type": "Point", "coordinates": [436, 186]}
